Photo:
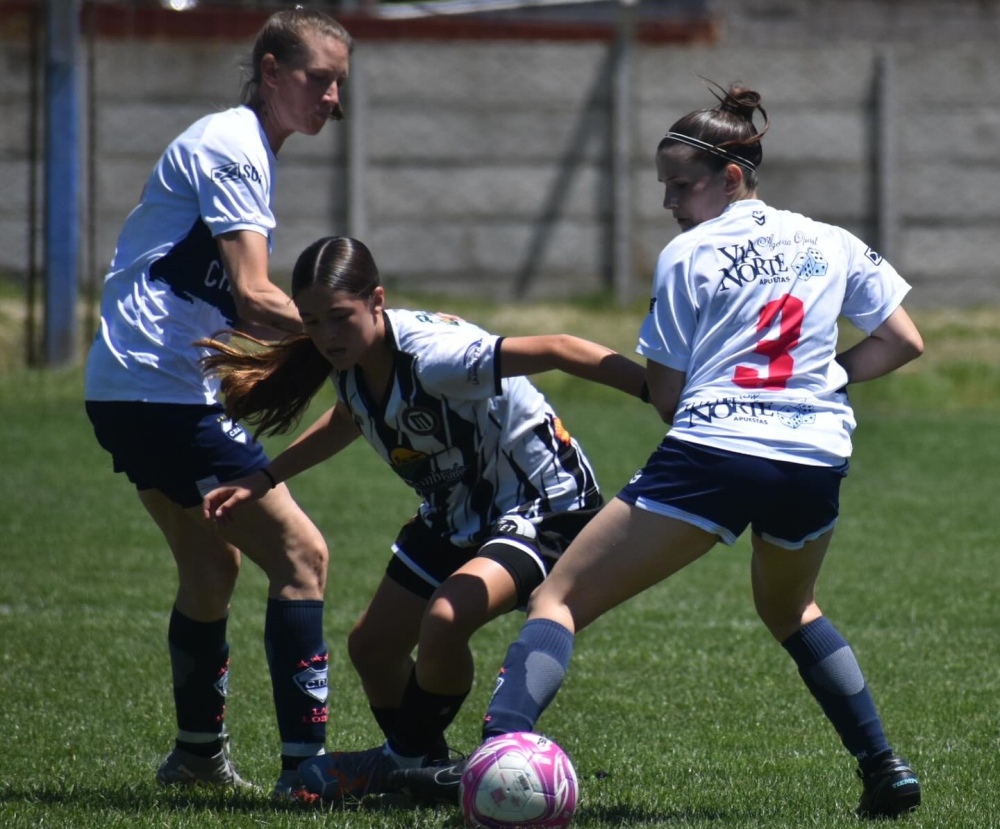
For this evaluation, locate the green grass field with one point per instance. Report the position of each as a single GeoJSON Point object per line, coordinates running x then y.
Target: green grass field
{"type": "Point", "coordinates": [679, 711]}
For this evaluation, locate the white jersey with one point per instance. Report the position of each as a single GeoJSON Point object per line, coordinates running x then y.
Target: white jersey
{"type": "Point", "coordinates": [746, 305]}
{"type": "Point", "coordinates": [473, 445]}
{"type": "Point", "coordinates": [166, 287]}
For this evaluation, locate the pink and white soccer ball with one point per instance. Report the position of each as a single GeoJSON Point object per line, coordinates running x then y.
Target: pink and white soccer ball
{"type": "Point", "coordinates": [520, 779]}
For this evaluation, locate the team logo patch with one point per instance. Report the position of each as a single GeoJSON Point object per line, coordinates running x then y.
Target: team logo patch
{"type": "Point", "coordinates": [810, 262]}
{"type": "Point", "coordinates": [515, 525]}
{"type": "Point", "coordinates": [499, 684]}
{"type": "Point", "coordinates": [795, 416]}
{"type": "Point", "coordinates": [473, 354]}
{"type": "Point", "coordinates": [759, 217]}
{"type": "Point", "coordinates": [234, 171]}
{"type": "Point", "coordinates": [635, 477]}
{"type": "Point", "coordinates": [227, 172]}
{"type": "Point", "coordinates": [221, 685]}
{"type": "Point", "coordinates": [313, 683]}
{"type": "Point", "coordinates": [874, 256]}
{"type": "Point", "coordinates": [233, 430]}
{"type": "Point", "coordinates": [420, 421]}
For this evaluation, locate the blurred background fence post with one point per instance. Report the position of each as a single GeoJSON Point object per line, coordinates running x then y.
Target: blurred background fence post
{"type": "Point", "coordinates": [621, 165]}
{"type": "Point", "coordinates": [62, 180]}
{"type": "Point", "coordinates": [886, 154]}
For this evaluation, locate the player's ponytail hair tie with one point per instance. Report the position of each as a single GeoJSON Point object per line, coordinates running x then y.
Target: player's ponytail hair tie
{"type": "Point", "coordinates": [711, 148]}
{"type": "Point", "coordinates": [742, 103]}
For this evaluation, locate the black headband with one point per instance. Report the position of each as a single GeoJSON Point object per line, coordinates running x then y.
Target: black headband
{"type": "Point", "coordinates": [711, 148]}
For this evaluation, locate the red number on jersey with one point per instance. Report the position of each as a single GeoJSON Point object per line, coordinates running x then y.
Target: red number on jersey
{"type": "Point", "coordinates": [790, 312]}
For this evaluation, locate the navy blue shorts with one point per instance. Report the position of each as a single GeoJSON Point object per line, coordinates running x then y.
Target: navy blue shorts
{"type": "Point", "coordinates": [787, 504]}
{"type": "Point", "coordinates": [525, 549]}
{"type": "Point", "coordinates": [184, 451]}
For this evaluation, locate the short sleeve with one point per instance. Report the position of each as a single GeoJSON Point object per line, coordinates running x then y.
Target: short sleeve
{"type": "Point", "coordinates": [234, 185]}
{"type": "Point", "coordinates": [457, 359]}
{"type": "Point", "coordinates": [874, 289]}
{"type": "Point", "coordinates": [668, 330]}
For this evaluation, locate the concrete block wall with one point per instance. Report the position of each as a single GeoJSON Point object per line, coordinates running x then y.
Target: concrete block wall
{"type": "Point", "coordinates": [488, 162]}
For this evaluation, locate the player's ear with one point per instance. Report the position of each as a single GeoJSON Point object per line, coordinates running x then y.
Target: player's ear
{"type": "Point", "coordinates": [734, 178]}
{"type": "Point", "coordinates": [376, 302]}
{"type": "Point", "coordinates": [269, 70]}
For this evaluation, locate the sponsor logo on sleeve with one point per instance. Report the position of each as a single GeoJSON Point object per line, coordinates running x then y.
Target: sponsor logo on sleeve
{"type": "Point", "coordinates": [234, 171]}
{"type": "Point", "coordinates": [473, 355]}
{"type": "Point", "coordinates": [874, 256]}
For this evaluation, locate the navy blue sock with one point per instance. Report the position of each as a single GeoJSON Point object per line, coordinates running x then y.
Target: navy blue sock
{"type": "Point", "coordinates": [199, 659]}
{"type": "Point", "coordinates": [298, 659]}
{"type": "Point", "coordinates": [531, 675]}
{"type": "Point", "coordinates": [831, 673]}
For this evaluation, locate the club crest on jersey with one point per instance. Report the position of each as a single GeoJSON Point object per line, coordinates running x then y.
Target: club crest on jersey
{"type": "Point", "coordinates": [759, 217]}
{"type": "Point", "coordinates": [874, 256]}
{"type": "Point", "coordinates": [420, 420]}
{"type": "Point", "coordinates": [233, 430]}
{"type": "Point", "coordinates": [313, 683]}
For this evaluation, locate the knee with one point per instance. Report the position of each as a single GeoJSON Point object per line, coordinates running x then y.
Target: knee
{"type": "Point", "coordinates": [782, 622]}
{"type": "Point", "coordinates": [445, 626]}
{"type": "Point", "coordinates": [310, 559]}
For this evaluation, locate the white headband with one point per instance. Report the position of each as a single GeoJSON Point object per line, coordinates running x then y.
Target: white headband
{"type": "Point", "coordinates": [711, 148]}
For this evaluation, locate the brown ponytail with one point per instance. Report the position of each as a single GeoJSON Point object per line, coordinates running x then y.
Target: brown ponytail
{"type": "Point", "coordinates": [268, 385]}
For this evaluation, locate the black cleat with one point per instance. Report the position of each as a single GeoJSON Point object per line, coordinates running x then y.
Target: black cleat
{"type": "Point", "coordinates": [891, 788]}
{"type": "Point", "coordinates": [432, 784]}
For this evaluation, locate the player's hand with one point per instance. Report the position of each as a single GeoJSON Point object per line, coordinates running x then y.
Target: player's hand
{"type": "Point", "coordinates": [218, 505]}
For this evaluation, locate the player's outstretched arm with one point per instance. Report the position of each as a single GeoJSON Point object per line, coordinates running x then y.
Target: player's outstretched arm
{"type": "Point", "coordinates": [893, 344]}
{"type": "Point", "coordinates": [329, 434]}
{"type": "Point", "coordinates": [573, 355]}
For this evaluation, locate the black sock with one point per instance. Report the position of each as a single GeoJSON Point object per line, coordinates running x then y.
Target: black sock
{"type": "Point", "coordinates": [199, 659]}
{"type": "Point", "coordinates": [386, 718]}
{"type": "Point", "coordinates": [423, 718]}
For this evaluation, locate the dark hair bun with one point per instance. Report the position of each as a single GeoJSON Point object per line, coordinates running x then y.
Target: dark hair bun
{"type": "Point", "coordinates": [740, 101]}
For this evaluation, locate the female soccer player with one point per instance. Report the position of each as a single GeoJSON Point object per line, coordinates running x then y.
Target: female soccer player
{"type": "Point", "coordinates": [446, 405]}
{"type": "Point", "coordinates": [191, 259]}
{"type": "Point", "coordinates": [740, 347]}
